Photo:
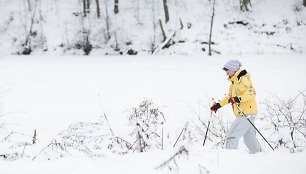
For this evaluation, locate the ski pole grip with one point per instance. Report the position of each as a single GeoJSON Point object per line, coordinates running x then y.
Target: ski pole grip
{"type": "Point", "coordinates": [232, 99]}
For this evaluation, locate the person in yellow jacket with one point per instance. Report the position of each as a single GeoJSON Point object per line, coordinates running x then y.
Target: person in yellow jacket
{"type": "Point", "coordinates": [242, 91]}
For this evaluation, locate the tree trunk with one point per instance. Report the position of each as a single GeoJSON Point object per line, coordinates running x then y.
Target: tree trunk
{"type": "Point", "coordinates": [304, 3]}
{"type": "Point", "coordinates": [292, 137]}
{"type": "Point", "coordinates": [84, 8]}
{"type": "Point", "coordinates": [98, 8]}
{"type": "Point", "coordinates": [244, 4]}
{"type": "Point", "coordinates": [116, 8]}
{"type": "Point", "coordinates": [166, 11]}
{"type": "Point", "coordinates": [211, 25]}
{"type": "Point", "coordinates": [29, 3]}
{"type": "Point", "coordinates": [87, 47]}
{"type": "Point", "coordinates": [108, 36]}
{"type": "Point", "coordinates": [181, 23]}
{"type": "Point", "coordinates": [162, 29]}
{"type": "Point", "coordinates": [137, 11]}
{"type": "Point", "coordinates": [154, 27]}
{"type": "Point", "coordinates": [88, 6]}
{"type": "Point", "coordinates": [141, 147]}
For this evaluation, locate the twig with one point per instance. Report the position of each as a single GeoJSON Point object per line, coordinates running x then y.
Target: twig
{"type": "Point", "coordinates": [105, 115]}
{"type": "Point", "coordinates": [162, 138]}
{"type": "Point", "coordinates": [25, 144]}
{"type": "Point", "coordinates": [131, 146]}
{"type": "Point", "coordinates": [179, 136]}
{"type": "Point", "coordinates": [34, 137]}
{"type": "Point", "coordinates": [12, 134]}
{"type": "Point", "coordinates": [7, 137]}
{"type": "Point", "coordinates": [182, 150]}
{"type": "Point", "coordinates": [42, 151]}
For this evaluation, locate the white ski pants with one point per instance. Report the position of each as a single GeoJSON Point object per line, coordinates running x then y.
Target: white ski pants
{"type": "Point", "coordinates": [242, 127]}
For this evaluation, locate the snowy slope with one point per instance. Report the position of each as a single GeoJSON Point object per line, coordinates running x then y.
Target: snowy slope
{"type": "Point", "coordinates": [271, 27]}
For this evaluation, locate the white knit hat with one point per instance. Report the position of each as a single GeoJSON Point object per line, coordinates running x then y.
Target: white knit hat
{"type": "Point", "coordinates": [233, 65]}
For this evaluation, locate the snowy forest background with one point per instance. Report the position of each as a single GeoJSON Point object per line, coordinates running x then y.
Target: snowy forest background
{"type": "Point", "coordinates": [125, 86]}
{"type": "Point", "coordinates": [110, 27]}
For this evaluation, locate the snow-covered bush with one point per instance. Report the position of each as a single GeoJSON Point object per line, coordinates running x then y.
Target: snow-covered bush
{"type": "Point", "coordinates": [219, 124]}
{"type": "Point", "coordinates": [217, 129]}
{"type": "Point", "coordinates": [14, 145]}
{"type": "Point", "coordinates": [171, 164]}
{"type": "Point", "coordinates": [90, 139]}
{"type": "Point", "coordinates": [146, 121]}
{"type": "Point", "coordinates": [119, 145]}
{"type": "Point", "coordinates": [287, 118]}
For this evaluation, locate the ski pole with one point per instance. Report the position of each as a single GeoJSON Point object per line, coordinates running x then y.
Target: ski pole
{"type": "Point", "coordinates": [179, 137]}
{"type": "Point", "coordinates": [250, 121]}
{"type": "Point", "coordinates": [184, 129]}
{"type": "Point", "coordinates": [208, 125]}
{"type": "Point", "coordinates": [207, 128]}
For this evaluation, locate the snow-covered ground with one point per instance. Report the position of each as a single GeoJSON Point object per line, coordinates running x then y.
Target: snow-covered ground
{"type": "Point", "coordinates": [202, 161]}
{"type": "Point", "coordinates": [49, 93]}
{"type": "Point", "coordinates": [56, 106]}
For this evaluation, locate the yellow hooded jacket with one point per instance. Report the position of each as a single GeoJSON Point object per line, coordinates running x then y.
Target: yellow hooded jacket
{"type": "Point", "coordinates": [242, 88]}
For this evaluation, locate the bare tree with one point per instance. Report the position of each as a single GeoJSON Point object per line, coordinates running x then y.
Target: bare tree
{"type": "Point", "coordinates": [98, 8]}
{"type": "Point", "coordinates": [87, 46]}
{"type": "Point", "coordinates": [30, 32]}
{"type": "Point", "coordinates": [116, 7]}
{"type": "Point", "coordinates": [166, 10]}
{"type": "Point", "coordinates": [244, 4]}
{"type": "Point", "coordinates": [137, 11]}
{"type": "Point", "coordinates": [211, 25]}
{"type": "Point", "coordinates": [162, 29]}
{"type": "Point", "coordinates": [86, 29]}
{"type": "Point", "coordinates": [30, 6]}
{"type": "Point", "coordinates": [86, 7]}
{"type": "Point", "coordinates": [107, 21]}
{"type": "Point", "coordinates": [154, 26]}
